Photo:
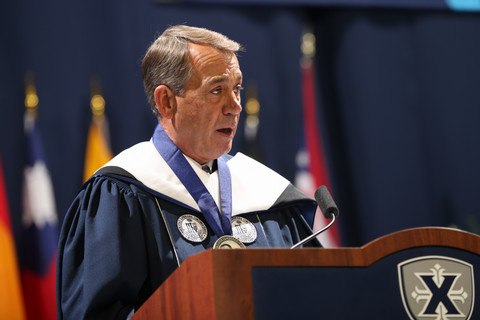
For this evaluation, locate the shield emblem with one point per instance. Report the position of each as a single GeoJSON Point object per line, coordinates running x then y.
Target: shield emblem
{"type": "Point", "coordinates": [437, 287]}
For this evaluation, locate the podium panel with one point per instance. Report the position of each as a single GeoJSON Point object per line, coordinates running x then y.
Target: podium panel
{"type": "Point", "coordinates": [383, 290]}
{"type": "Point", "coordinates": [423, 273]}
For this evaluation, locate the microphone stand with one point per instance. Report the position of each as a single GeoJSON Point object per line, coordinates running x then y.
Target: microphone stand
{"type": "Point", "coordinates": [310, 237]}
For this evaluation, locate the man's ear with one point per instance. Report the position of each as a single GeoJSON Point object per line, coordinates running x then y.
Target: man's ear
{"type": "Point", "coordinates": [165, 101]}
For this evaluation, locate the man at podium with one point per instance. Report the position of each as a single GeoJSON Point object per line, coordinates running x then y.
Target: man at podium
{"type": "Point", "coordinates": [157, 203]}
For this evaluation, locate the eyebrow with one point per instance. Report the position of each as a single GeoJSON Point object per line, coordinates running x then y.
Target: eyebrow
{"type": "Point", "coordinates": [219, 79]}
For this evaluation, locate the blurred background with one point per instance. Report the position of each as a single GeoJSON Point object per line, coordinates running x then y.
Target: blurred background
{"type": "Point", "coordinates": [394, 89]}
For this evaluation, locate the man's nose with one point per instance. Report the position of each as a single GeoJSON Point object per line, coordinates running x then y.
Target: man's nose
{"type": "Point", "coordinates": [233, 105]}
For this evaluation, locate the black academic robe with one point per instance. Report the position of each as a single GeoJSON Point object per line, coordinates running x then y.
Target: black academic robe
{"type": "Point", "coordinates": [120, 239]}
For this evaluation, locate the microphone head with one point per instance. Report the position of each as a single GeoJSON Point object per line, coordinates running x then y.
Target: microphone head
{"type": "Point", "coordinates": [326, 203]}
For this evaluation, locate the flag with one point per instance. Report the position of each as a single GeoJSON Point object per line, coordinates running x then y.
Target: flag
{"type": "Point", "coordinates": [11, 299]}
{"type": "Point", "coordinates": [40, 229]}
{"type": "Point", "coordinates": [312, 170]}
{"type": "Point", "coordinates": [98, 147]}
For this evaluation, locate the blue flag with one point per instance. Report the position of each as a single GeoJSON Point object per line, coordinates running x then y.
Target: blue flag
{"type": "Point", "coordinates": [40, 229]}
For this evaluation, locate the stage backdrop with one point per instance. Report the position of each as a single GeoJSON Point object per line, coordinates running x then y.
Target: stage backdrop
{"type": "Point", "coordinates": [398, 103]}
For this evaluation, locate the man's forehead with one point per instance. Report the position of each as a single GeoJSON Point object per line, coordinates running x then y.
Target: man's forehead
{"type": "Point", "coordinates": [205, 56]}
{"type": "Point", "coordinates": [211, 62]}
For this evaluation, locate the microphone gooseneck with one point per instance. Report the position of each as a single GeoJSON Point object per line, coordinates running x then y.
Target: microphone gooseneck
{"type": "Point", "coordinates": [329, 210]}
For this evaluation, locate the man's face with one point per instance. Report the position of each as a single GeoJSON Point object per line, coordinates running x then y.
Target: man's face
{"type": "Point", "coordinates": [206, 117]}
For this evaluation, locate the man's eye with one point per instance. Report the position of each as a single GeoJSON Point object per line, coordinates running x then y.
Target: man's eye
{"type": "Point", "coordinates": [216, 91]}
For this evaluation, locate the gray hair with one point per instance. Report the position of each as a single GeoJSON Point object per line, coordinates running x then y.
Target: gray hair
{"type": "Point", "coordinates": [167, 61]}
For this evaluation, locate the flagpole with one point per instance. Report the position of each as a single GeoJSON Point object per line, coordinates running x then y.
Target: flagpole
{"type": "Point", "coordinates": [252, 122]}
{"type": "Point", "coordinates": [31, 101]}
{"type": "Point", "coordinates": [97, 102]}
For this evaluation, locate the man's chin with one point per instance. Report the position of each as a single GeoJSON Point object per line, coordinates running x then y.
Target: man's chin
{"type": "Point", "coordinates": [224, 151]}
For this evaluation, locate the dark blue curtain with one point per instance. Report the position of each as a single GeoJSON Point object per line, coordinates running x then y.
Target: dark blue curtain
{"type": "Point", "coordinates": [401, 109]}
{"type": "Point", "coordinates": [396, 88]}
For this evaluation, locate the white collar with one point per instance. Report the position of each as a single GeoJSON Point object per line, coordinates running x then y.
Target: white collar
{"type": "Point", "coordinates": [255, 187]}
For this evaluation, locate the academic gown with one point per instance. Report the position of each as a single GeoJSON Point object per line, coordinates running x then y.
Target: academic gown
{"type": "Point", "coordinates": [120, 238]}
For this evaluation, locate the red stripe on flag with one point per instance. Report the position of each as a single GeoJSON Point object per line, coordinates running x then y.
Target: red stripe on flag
{"type": "Point", "coordinates": [4, 211]}
{"type": "Point", "coordinates": [318, 166]}
{"type": "Point", "coordinates": [11, 302]}
{"type": "Point", "coordinates": [39, 293]}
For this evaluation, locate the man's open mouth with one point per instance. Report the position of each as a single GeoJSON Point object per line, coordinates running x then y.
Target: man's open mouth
{"type": "Point", "coordinates": [225, 130]}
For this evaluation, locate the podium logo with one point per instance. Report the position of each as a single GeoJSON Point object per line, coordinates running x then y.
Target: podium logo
{"type": "Point", "coordinates": [437, 288]}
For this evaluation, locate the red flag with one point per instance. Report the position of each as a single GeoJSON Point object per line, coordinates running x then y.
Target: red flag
{"type": "Point", "coordinates": [11, 301]}
{"type": "Point", "coordinates": [312, 158]}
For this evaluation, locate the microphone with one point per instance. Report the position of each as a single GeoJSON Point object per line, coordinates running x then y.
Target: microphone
{"type": "Point", "coordinates": [326, 203]}
{"type": "Point", "coordinates": [329, 210]}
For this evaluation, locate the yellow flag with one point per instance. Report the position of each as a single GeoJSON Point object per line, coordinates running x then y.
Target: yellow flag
{"type": "Point", "coordinates": [11, 299]}
{"type": "Point", "coordinates": [98, 150]}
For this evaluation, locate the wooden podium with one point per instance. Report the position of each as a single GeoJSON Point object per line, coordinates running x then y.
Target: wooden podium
{"type": "Point", "coordinates": [409, 274]}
